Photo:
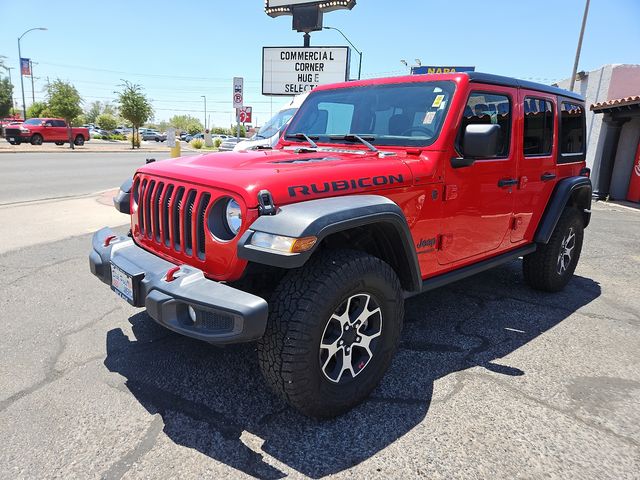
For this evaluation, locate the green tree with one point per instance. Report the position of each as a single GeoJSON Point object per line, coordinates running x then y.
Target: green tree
{"type": "Point", "coordinates": [135, 107]}
{"type": "Point", "coordinates": [92, 113]}
{"type": "Point", "coordinates": [38, 110]}
{"type": "Point", "coordinates": [6, 97]}
{"type": "Point", "coordinates": [186, 123]}
{"type": "Point", "coordinates": [107, 122]}
{"type": "Point", "coordinates": [64, 101]}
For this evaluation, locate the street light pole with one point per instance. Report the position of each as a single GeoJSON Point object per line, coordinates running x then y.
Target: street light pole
{"type": "Point", "coordinates": [205, 111]}
{"type": "Point", "coordinates": [24, 106]}
{"type": "Point", "coordinates": [575, 63]}
{"type": "Point", "coordinates": [352, 45]}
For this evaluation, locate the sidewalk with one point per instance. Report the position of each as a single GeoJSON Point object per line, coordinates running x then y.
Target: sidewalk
{"type": "Point", "coordinates": [104, 146]}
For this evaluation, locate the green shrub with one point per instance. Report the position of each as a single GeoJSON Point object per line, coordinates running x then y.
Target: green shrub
{"type": "Point", "coordinates": [217, 142]}
{"type": "Point", "coordinates": [197, 143]}
{"type": "Point", "coordinates": [97, 136]}
{"type": "Point", "coordinates": [118, 136]}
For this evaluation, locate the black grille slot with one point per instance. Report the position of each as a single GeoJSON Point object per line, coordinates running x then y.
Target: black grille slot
{"type": "Point", "coordinates": [176, 219]}
{"type": "Point", "coordinates": [165, 214]}
{"type": "Point", "coordinates": [219, 322]}
{"type": "Point", "coordinates": [157, 208]}
{"type": "Point", "coordinates": [188, 222]}
{"type": "Point", "coordinates": [201, 222]}
{"type": "Point", "coordinates": [142, 186]}
{"type": "Point", "coordinates": [147, 207]}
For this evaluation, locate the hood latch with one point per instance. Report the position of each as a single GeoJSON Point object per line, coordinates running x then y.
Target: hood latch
{"type": "Point", "coordinates": [265, 203]}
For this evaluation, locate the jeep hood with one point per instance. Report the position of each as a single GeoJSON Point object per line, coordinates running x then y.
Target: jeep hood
{"type": "Point", "coordinates": [289, 176]}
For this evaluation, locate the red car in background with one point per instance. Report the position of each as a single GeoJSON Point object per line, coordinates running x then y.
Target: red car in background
{"type": "Point", "coordinates": [39, 130]}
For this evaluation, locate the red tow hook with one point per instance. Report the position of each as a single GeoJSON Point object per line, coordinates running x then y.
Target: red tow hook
{"type": "Point", "coordinates": [109, 239]}
{"type": "Point", "coordinates": [171, 273]}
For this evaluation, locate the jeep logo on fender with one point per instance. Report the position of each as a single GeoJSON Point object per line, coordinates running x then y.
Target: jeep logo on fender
{"type": "Point", "coordinates": [343, 185]}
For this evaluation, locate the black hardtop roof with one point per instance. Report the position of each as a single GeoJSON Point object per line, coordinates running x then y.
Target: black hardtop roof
{"type": "Point", "coordinates": [514, 82]}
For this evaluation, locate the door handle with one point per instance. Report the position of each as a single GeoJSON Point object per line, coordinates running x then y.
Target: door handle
{"type": "Point", "coordinates": [507, 182]}
{"type": "Point", "coordinates": [547, 176]}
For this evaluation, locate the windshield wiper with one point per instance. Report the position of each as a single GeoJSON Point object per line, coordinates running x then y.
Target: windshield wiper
{"type": "Point", "coordinates": [352, 137]}
{"type": "Point", "coordinates": [302, 136]}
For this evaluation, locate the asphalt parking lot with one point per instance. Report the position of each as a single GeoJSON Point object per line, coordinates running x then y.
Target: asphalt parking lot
{"type": "Point", "coordinates": [492, 380]}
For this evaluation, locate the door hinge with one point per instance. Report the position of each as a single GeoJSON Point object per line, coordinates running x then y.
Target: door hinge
{"type": "Point", "coordinates": [444, 241]}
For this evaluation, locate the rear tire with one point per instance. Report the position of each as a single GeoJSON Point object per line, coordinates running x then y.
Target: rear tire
{"type": "Point", "coordinates": [334, 326]}
{"type": "Point", "coordinates": [79, 140]}
{"type": "Point", "coordinates": [36, 139]}
{"type": "Point", "coordinates": [552, 265]}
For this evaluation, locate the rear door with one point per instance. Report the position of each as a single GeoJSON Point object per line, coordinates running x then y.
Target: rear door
{"type": "Point", "coordinates": [59, 131]}
{"type": "Point", "coordinates": [478, 200]}
{"type": "Point", "coordinates": [537, 148]}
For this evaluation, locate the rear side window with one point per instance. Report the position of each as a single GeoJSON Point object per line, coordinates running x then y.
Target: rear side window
{"type": "Point", "coordinates": [58, 123]}
{"type": "Point", "coordinates": [572, 126]}
{"type": "Point", "coordinates": [489, 108]}
{"type": "Point", "coordinates": [538, 127]}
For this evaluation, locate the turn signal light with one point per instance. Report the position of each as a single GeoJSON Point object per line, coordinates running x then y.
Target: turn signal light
{"type": "Point", "coordinates": [303, 244]}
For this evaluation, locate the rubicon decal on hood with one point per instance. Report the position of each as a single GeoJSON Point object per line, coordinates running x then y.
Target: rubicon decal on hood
{"type": "Point", "coordinates": [344, 185]}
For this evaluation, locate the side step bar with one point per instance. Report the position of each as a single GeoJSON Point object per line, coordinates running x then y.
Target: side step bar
{"type": "Point", "coordinates": [464, 272]}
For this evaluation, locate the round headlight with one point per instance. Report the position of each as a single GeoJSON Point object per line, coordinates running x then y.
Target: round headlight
{"type": "Point", "coordinates": [233, 216]}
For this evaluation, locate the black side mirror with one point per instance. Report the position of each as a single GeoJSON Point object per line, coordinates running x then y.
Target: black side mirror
{"type": "Point", "coordinates": [480, 141]}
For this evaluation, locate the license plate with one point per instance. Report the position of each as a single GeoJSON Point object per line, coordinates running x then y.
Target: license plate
{"type": "Point", "coordinates": [11, 139]}
{"type": "Point", "coordinates": [122, 283]}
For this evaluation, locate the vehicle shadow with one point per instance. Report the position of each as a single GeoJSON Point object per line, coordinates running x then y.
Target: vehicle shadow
{"type": "Point", "coordinates": [215, 401]}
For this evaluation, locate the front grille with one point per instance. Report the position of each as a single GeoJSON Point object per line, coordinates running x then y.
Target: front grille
{"type": "Point", "coordinates": [12, 132]}
{"type": "Point", "coordinates": [172, 215]}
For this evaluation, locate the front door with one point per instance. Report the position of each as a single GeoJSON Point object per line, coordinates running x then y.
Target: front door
{"type": "Point", "coordinates": [478, 199]}
{"type": "Point", "coordinates": [536, 160]}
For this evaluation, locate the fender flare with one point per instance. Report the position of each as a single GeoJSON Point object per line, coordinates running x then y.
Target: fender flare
{"type": "Point", "coordinates": [326, 216]}
{"type": "Point", "coordinates": [122, 200]}
{"type": "Point", "coordinates": [565, 189]}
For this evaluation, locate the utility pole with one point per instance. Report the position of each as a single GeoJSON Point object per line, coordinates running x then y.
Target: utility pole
{"type": "Point", "coordinates": [24, 106]}
{"type": "Point", "coordinates": [575, 63]}
{"type": "Point", "coordinates": [33, 92]}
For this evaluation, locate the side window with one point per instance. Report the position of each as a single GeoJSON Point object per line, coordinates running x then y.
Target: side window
{"type": "Point", "coordinates": [538, 127]}
{"type": "Point", "coordinates": [58, 123]}
{"type": "Point", "coordinates": [572, 124]}
{"type": "Point", "coordinates": [489, 108]}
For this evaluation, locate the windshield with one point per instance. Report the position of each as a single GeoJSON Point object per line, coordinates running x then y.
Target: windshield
{"type": "Point", "coordinates": [394, 114]}
{"type": "Point", "coordinates": [274, 125]}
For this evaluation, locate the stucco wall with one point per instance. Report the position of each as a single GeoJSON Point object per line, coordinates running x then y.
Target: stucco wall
{"type": "Point", "coordinates": [625, 155]}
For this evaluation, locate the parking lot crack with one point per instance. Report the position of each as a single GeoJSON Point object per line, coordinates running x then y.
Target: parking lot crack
{"type": "Point", "coordinates": [563, 411]}
{"type": "Point", "coordinates": [124, 464]}
{"type": "Point", "coordinates": [52, 373]}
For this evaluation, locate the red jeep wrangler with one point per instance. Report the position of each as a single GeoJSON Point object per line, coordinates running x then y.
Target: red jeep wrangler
{"type": "Point", "coordinates": [378, 190]}
{"type": "Point", "coordinates": [40, 130]}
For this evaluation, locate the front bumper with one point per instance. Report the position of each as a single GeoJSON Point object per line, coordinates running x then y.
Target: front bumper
{"type": "Point", "coordinates": [223, 314]}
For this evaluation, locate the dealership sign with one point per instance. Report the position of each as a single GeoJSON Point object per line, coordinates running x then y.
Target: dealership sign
{"type": "Point", "coordinates": [429, 69]}
{"type": "Point", "coordinates": [295, 70]}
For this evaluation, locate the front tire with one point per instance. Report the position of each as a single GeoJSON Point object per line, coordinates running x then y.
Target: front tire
{"type": "Point", "coordinates": [79, 140]}
{"type": "Point", "coordinates": [552, 265]}
{"type": "Point", "coordinates": [334, 326]}
{"type": "Point", "coordinates": [36, 139]}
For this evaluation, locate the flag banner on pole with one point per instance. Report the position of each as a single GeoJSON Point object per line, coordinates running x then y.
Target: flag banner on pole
{"type": "Point", "coordinates": [25, 66]}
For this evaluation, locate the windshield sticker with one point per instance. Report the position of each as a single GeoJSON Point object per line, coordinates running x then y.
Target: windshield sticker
{"type": "Point", "coordinates": [437, 101]}
{"type": "Point", "coordinates": [428, 118]}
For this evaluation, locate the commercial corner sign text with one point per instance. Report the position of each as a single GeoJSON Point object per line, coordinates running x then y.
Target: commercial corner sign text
{"type": "Point", "coordinates": [295, 70]}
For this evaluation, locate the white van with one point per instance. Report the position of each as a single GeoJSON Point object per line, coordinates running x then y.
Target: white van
{"type": "Point", "coordinates": [270, 132]}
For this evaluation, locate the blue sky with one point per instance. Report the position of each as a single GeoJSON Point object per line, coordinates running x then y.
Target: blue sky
{"type": "Point", "coordinates": [183, 50]}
